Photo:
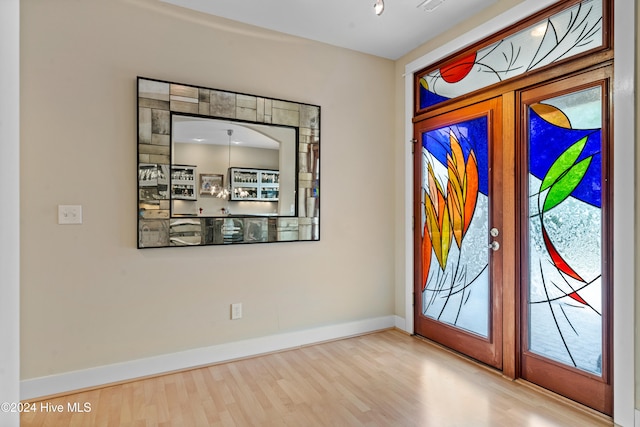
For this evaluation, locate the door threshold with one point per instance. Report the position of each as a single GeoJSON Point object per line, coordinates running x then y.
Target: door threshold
{"type": "Point", "coordinates": [565, 400]}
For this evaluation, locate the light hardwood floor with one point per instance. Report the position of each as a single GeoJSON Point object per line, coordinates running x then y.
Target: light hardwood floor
{"type": "Point", "coordinates": [382, 379]}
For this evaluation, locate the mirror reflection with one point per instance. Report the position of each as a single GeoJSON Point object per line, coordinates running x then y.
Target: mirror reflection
{"type": "Point", "coordinates": [218, 167]}
{"type": "Point", "coordinates": [224, 168]}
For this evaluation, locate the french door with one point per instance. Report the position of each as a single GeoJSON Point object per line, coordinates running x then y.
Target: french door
{"type": "Point", "coordinates": [566, 285]}
{"type": "Point", "coordinates": [458, 293]}
{"type": "Point", "coordinates": [511, 234]}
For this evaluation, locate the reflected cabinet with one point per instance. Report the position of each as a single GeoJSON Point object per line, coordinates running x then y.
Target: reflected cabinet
{"type": "Point", "coordinates": [254, 184]}
{"type": "Point", "coordinates": [183, 182]}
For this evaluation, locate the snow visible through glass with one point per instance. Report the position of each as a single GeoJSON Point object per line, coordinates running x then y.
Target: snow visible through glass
{"type": "Point", "coordinates": [465, 302]}
{"type": "Point", "coordinates": [562, 328]}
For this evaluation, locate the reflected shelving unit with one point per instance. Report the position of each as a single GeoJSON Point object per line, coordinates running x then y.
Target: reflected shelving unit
{"type": "Point", "coordinates": [183, 182]}
{"type": "Point", "coordinates": [261, 185]}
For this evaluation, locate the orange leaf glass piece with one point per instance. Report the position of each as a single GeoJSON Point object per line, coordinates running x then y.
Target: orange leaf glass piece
{"type": "Point", "coordinates": [446, 234]}
{"type": "Point", "coordinates": [457, 156]}
{"type": "Point", "coordinates": [437, 220]}
{"type": "Point", "coordinates": [433, 228]}
{"type": "Point", "coordinates": [434, 187]}
{"type": "Point", "coordinates": [471, 189]}
{"type": "Point", "coordinates": [455, 210]}
{"type": "Point", "coordinates": [427, 248]}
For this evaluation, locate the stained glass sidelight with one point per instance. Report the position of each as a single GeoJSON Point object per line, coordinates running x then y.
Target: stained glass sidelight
{"type": "Point", "coordinates": [455, 214]}
{"type": "Point", "coordinates": [565, 223]}
{"type": "Point", "coordinates": [568, 33]}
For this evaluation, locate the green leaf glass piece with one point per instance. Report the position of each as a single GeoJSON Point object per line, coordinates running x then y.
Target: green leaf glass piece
{"type": "Point", "coordinates": [564, 186]}
{"type": "Point", "coordinates": [563, 163]}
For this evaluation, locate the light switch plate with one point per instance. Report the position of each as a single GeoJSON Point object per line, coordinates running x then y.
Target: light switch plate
{"type": "Point", "coordinates": [69, 214]}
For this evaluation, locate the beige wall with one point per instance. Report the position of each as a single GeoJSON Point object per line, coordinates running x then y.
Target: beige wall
{"type": "Point", "coordinates": [89, 297]}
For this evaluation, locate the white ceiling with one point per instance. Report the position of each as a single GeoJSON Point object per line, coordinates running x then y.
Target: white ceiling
{"type": "Point", "coordinates": [198, 130]}
{"type": "Point", "coordinates": [352, 24]}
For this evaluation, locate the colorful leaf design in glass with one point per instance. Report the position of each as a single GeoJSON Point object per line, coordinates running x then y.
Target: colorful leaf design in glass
{"type": "Point", "coordinates": [455, 224]}
{"type": "Point", "coordinates": [565, 229]}
{"type": "Point", "coordinates": [565, 34]}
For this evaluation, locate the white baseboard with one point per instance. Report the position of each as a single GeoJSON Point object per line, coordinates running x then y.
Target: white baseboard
{"type": "Point", "coordinates": [118, 372]}
{"type": "Point", "coordinates": [401, 324]}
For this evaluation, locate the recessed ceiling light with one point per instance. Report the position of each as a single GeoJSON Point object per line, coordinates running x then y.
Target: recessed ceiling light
{"type": "Point", "coordinates": [378, 6]}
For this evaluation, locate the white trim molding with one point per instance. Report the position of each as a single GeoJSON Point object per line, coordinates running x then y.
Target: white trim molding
{"type": "Point", "coordinates": [624, 375]}
{"type": "Point", "coordinates": [624, 211]}
{"type": "Point", "coordinates": [401, 324]}
{"type": "Point", "coordinates": [189, 359]}
{"type": "Point", "coordinates": [10, 212]}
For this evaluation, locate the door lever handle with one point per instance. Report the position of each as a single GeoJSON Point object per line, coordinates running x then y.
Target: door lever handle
{"type": "Point", "coordinates": [494, 245]}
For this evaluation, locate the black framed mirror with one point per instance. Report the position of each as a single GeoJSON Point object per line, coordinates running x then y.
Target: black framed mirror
{"type": "Point", "coordinates": [218, 167]}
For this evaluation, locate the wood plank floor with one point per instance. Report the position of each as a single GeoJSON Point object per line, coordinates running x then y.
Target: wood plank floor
{"type": "Point", "coordinates": [382, 379]}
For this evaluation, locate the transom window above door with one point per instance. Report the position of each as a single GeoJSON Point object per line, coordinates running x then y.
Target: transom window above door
{"type": "Point", "coordinates": [565, 34]}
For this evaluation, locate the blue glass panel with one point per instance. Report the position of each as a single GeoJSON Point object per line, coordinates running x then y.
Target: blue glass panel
{"type": "Point", "coordinates": [428, 98]}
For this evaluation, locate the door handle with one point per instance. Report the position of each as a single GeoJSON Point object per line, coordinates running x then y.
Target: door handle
{"type": "Point", "coordinates": [494, 246]}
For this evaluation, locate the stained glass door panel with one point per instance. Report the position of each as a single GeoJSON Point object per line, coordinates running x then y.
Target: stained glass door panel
{"type": "Point", "coordinates": [565, 323]}
{"type": "Point", "coordinates": [455, 225]}
{"type": "Point", "coordinates": [455, 290]}
{"type": "Point", "coordinates": [565, 222]}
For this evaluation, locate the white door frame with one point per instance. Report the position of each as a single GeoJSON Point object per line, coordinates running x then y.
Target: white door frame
{"type": "Point", "coordinates": [624, 183]}
{"type": "Point", "coordinates": [10, 212]}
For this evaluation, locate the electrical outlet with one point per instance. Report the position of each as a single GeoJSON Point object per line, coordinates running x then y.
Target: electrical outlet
{"type": "Point", "coordinates": [236, 311]}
